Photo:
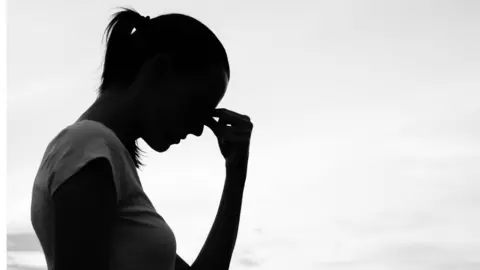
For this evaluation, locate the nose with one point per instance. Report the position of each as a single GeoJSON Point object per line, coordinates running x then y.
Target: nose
{"type": "Point", "coordinates": [198, 131]}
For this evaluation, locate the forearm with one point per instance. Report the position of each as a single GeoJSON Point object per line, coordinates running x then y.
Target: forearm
{"type": "Point", "coordinates": [217, 251]}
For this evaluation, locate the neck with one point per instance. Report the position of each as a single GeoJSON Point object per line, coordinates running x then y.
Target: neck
{"type": "Point", "coordinates": [116, 114]}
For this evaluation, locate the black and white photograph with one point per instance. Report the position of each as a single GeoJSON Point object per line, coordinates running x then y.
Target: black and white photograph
{"type": "Point", "coordinates": [241, 135]}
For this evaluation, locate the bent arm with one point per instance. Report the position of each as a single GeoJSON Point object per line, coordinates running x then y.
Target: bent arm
{"type": "Point", "coordinates": [217, 251]}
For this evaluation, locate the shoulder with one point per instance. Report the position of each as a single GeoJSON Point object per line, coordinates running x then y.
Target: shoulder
{"type": "Point", "coordinates": [82, 136]}
{"type": "Point", "coordinates": [76, 146]}
{"type": "Point", "coordinates": [84, 132]}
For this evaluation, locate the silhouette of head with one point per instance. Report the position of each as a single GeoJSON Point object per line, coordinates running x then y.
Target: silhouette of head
{"type": "Point", "coordinates": [176, 67]}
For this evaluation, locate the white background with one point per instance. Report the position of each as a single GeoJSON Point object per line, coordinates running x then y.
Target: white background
{"type": "Point", "coordinates": [366, 146]}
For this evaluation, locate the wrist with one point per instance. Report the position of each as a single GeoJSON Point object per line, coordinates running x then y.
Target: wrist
{"type": "Point", "coordinates": [235, 172]}
{"type": "Point", "coordinates": [236, 166]}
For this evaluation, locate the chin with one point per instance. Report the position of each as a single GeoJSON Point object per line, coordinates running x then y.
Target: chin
{"type": "Point", "coordinates": [162, 149]}
{"type": "Point", "coordinates": [159, 147]}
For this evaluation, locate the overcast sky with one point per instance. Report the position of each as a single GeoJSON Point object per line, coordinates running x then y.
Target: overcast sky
{"type": "Point", "coordinates": [366, 147]}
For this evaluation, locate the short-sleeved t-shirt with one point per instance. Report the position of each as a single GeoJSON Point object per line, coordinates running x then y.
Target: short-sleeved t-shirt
{"type": "Point", "coordinates": [141, 237]}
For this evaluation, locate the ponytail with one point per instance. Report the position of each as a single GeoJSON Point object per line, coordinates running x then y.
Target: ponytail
{"type": "Point", "coordinates": [121, 60]}
{"type": "Point", "coordinates": [193, 45]}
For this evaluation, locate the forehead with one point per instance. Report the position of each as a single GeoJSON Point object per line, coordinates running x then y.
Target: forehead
{"type": "Point", "coordinates": [213, 87]}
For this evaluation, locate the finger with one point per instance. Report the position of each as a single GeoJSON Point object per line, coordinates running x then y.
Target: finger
{"type": "Point", "coordinates": [235, 137]}
{"type": "Point", "coordinates": [210, 122]}
{"type": "Point", "coordinates": [222, 111]}
{"type": "Point", "coordinates": [216, 128]}
{"type": "Point", "coordinates": [231, 117]}
{"type": "Point", "coordinates": [237, 132]}
{"type": "Point", "coordinates": [246, 126]}
{"type": "Point", "coordinates": [227, 127]}
{"type": "Point", "coordinates": [223, 122]}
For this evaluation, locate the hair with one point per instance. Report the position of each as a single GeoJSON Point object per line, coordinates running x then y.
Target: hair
{"type": "Point", "coordinates": [132, 39]}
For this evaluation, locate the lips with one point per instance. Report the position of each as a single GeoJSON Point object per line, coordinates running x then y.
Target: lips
{"type": "Point", "coordinates": [178, 139]}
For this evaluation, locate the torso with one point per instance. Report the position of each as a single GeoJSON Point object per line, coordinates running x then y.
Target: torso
{"type": "Point", "coordinates": [141, 237]}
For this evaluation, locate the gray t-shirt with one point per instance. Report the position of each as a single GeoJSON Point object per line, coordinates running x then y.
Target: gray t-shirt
{"type": "Point", "coordinates": [142, 240]}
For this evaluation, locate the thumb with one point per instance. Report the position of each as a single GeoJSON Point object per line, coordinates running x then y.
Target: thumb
{"type": "Point", "coordinates": [214, 126]}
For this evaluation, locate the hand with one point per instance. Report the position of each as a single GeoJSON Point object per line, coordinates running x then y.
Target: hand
{"type": "Point", "coordinates": [233, 132]}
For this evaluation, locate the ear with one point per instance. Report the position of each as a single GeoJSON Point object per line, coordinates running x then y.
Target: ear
{"type": "Point", "coordinates": [152, 71]}
{"type": "Point", "coordinates": [162, 65]}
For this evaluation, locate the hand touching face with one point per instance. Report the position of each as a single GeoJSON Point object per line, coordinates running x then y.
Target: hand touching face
{"type": "Point", "coordinates": [233, 131]}
{"type": "Point", "coordinates": [176, 106]}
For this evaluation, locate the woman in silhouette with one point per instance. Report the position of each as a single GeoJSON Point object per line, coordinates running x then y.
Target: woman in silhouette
{"type": "Point", "coordinates": [162, 80]}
